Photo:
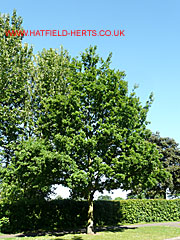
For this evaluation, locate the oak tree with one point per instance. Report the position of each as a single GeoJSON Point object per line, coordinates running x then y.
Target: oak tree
{"type": "Point", "coordinates": [99, 128]}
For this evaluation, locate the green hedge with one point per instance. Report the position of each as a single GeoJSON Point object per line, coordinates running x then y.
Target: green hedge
{"type": "Point", "coordinates": [68, 214]}
{"type": "Point", "coordinates": [135, 211]}
{"type": "Point", "coordinates": [44, 215]}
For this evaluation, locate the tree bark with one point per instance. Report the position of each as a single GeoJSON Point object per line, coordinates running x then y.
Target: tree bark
{"type": "Point", "coordinates": [90, 227]}
{"type": "Point", "coordinates": [164, 194]}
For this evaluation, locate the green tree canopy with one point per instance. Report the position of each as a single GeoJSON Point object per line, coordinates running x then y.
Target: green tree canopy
{"type": "Point", "coordinates": [99, 129]}
{"type": "Point", "coordinates": [23, 151]}
{"type": "Point", "coordinates": [28, 175]}
{"type": "Point", "coordinates": [104, 198]}
{"type": "Point", "coordinates": [170, 158]}
{"type": "Point", "coordinates": [15, 71]}
{"type": "Point", "coordinates": [71, 122]}
{"type": "Point", "coordinates": [15, 94]}
{"type": "Point", "coordinates": [118, 198]}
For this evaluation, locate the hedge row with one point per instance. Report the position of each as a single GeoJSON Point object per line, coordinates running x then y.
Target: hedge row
{"type": "Point", "coordinates": [68, 214]}
{"type": "Point", "coordinates": [135, 211]}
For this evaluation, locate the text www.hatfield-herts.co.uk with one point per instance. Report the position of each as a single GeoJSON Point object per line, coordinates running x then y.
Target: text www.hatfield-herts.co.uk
{"type": "Point", "coordinates": [65, 33]}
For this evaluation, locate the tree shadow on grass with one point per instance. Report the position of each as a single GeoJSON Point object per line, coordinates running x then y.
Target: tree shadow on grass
{"type": "Point", "coordinates": [77, 238]}
{"type": "Point", "coordinates": [77, 231]}
{"type": "Point", "coordinates": [114, 229]}
{"type": "Point", "coordinates": [101, 229]}
{"type": "Point", "coordinates": [73, 238]}
{"type": "Point", "coordinates": [51, 234]}
{"type": "Point", "coordinates": [57, 234]}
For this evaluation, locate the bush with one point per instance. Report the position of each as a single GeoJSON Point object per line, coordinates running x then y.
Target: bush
{"type": "Point", "coordinates": [5, 224]}
{"type": "Point", "coordinates": [68, 214]}
{"type": "Point", "coordinates": [156, 210]}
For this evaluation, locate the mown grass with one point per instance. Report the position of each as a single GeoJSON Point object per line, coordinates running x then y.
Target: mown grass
{"type": "Point", "coordinates": [141, 233]}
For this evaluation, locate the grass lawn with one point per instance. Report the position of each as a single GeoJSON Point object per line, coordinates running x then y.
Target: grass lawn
{"type": "Point", "coordinates": [142, 233]}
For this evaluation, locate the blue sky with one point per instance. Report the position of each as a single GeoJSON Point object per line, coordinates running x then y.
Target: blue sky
{"type": "Point", "coordinates": [149, 53]}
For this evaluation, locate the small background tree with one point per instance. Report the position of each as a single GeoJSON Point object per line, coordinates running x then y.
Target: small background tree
{"type": "Point", "coordinates": [104, 198]}
{"type": "Point", "coordinates": [170, 158]}
{"type": "Point", "coordinates": [118, 198]}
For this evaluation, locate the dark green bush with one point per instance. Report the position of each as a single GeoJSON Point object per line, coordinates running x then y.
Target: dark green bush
{"type": "Point", "coordinates": [45, 215]}
{"type": "Point", "coordinates": [4, 224]}
{"type": "Point", "coordinates": [68, 214]}
{"type": "Point", "coordinates": [107, 212]}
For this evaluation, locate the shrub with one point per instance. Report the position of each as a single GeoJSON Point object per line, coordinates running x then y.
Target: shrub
{"type": "Point", "coordinates": [5, 224]}
{"type": "Point", "coordinates": [68, 214]}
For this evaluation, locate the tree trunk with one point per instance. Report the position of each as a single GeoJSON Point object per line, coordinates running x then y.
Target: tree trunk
{"type": "Point", "coordinates": [90, 227]}
{"type": "Point", "coordinates": [164, 194]}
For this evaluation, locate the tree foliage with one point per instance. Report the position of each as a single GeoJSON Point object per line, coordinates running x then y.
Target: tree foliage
{"type": "Point", "coordinates": [28, 176]}
{"type": "Point", "coordinates": [71, 122]}
{"type": "Point", "coordinates": [118, 198]}
{"type": "Point", "coordinates": [15, 71]}
{"type": "Point", "coordinates": [104, 198]}
{"type": "Point", "coordinates": [170, 159]}
{"type": "Point", "coordinates": [100, 130]}
{"type": "Point", "coordinates": [25, 82]}
{"type": "Point", "coordinates": [15, 97]}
